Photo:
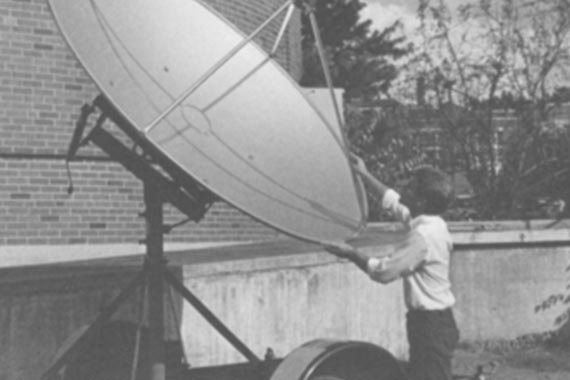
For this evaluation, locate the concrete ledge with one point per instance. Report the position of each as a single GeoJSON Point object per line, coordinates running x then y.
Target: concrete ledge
{"type": "Point", "coordinates": [281, 293]}
{"type": "Point", "coordinates": [33, 255]}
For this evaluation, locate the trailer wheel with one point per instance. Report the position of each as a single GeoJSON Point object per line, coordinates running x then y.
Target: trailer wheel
{"type": "Point", "coordinates": [339, 360]}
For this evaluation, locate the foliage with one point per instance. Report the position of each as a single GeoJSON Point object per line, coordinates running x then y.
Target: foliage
{"type": "Point", "coordinates": [484, 81]}
{"type": "Point", "coordinates": [486, 63]}
{"type": "Point", "coordinates": [393, 138]}
{"type": "Point", "coordinates": [360, 59]}
{"type": "Point", "coordinates": [562, 321]}
{"type": "Point", "coordinates": [382, 137]}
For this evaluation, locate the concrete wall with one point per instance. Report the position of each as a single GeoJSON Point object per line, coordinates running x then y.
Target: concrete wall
{"type": "Point", "coordinates": [283, 303]}
{"type": "Point", "coordinates": [503, 273]}
{"type": "Point", "coordinates": [284, 299]}
{"type": "Point", "coordinates": [286, 302]}
{"type": "Point", "coordinates": [499, 291]}
{"type": "Point", "coordinates": [40, 309]}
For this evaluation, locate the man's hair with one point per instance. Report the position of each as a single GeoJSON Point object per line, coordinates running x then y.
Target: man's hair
{"type": "Point", "coordinates": [434, 187]}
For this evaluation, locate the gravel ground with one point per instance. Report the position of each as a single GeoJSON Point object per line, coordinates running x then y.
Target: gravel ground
{"type": "Point", "coordinates": [539, 362]}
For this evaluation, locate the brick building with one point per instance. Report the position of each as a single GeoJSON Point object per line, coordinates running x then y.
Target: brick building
{"type": "Point", "coordinates": [42, 89]}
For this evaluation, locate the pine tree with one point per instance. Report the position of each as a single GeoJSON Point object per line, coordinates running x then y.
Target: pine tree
{"type": "Point", "coordinates": [360, 59]}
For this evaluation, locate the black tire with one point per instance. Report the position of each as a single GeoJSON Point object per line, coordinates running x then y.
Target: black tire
{"type": "Point", "coordinates": [339, 360]}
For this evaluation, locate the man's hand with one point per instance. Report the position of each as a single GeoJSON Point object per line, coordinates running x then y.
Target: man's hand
{"type": "Point", "coordinates": [344, 251]}
{"type": "Point", "coordinates": [360, 168]}
{"type": "Point", "coordinates": [358, 164]}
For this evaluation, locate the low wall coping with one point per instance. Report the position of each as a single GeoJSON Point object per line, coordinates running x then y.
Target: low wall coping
{"type": "Point", "coordinates": [284, 251]}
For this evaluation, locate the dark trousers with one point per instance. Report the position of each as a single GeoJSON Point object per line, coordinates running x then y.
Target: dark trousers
{"type": "Point", "coordinates": [432, 336]}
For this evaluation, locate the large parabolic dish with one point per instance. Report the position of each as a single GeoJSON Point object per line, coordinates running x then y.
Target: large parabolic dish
{"type": "Point", "coordinates": [243, 128]}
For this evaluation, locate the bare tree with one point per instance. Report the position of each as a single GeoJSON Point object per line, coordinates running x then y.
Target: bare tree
{"type": "Point", "coordinates": [492, 72]}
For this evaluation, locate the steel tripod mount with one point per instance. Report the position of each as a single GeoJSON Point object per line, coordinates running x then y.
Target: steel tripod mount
{"type": "Point", "coordinates": [196, 105]}
{"type": "Point", "coordinates": [163, 184]}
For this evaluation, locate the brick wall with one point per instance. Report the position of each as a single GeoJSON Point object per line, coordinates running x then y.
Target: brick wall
{"type": "Point", "coordinates": [42, 88]}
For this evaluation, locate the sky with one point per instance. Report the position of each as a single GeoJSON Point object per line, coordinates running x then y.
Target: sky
{"type": "Point", "coordinates": [384, 12]}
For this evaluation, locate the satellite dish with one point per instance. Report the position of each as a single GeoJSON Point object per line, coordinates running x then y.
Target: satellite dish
{"type": "Point", "coordinates": [218, 107]}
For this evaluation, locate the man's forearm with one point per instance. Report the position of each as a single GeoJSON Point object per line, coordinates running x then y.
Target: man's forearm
{"type": "Point", "coordinates": [348, 252]}
{"type": "Point", "coordinates": [374, 182]}
{"type": "Point", "coordinates": [360, 260]}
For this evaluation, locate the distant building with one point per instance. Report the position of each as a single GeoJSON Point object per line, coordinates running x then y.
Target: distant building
{"type": "Point", "coordinates": [423, 130]}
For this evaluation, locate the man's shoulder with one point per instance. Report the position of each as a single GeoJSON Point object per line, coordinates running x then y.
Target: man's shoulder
{"type": "Point", "coordinates": [429, 220]}
{"type": "Point", "coordinates": [431, 227]}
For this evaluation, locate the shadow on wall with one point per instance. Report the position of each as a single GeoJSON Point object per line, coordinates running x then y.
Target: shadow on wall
{"type": "Point", "coordinates": [113, 352]}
